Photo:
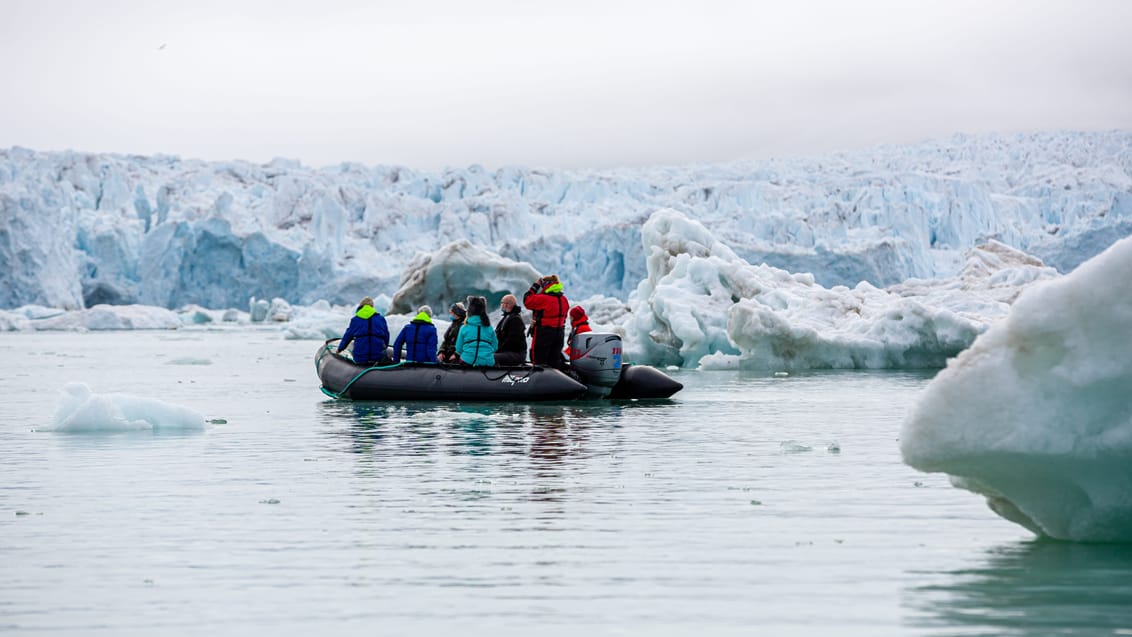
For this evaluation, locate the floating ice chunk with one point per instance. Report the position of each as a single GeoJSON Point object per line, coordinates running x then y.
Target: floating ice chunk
{"type": "Point", "coordinates": [37, 312]}
{"type": "Point", "coordinates": [717, 362]}
{"type": "Point", "coordinates": [195, 315]}
{"type": "Point", "coordinates": [793, 446]}
{"type": "Point", "coordinates": [313, 332]}
{"type": "Point", "coordinates": [1036, 414]}
{"type": "Point", "coordinates": [13, 322]}
{"type": "Point", "coordinates": [257, 309]}
{"type": "Point", "coordinates": [456, 270]}
{"type": "Point", "coordinates": [280, 311]}
{"type": "Point", "coordinates": [112, 317]}
{"type": "Point", "coordinates": [81, 410]}
{"type": "Point", "coordinates": [701, 303]}
{"type": "Point", "coordinates": [189, 361]}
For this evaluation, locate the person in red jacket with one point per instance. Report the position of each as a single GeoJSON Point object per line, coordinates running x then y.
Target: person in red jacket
{"type": "Point", "coordinates": [549, 306]}
{"type": "Point", "coordinates": [579, 324]}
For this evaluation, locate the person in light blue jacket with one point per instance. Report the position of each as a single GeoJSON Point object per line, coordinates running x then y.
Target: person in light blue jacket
{"type": "Point", "coordinates": [419, 338]}
{"type": "Point", "coordinates": [476, 342]}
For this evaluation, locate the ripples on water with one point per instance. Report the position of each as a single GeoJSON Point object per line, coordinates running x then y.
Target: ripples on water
{"type": "Point", "coordinates": [752, 504]}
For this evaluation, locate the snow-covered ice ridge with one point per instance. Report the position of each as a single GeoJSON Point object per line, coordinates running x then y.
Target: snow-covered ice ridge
{"type": "Point", "coordinates": [78, 229]}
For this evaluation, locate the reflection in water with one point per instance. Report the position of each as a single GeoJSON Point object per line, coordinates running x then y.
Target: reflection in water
{"type": "Point", "coordinates": [1034, 588]}
{"type": "Point", "coordinates": [549, 436]}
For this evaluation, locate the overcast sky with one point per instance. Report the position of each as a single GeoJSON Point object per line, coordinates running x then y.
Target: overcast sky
{"type": "Point", "coordinates": [565, 84]}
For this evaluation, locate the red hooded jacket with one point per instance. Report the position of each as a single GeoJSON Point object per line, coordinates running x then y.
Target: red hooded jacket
{"type": "Point", "coordinates": [580, 324]}
{"type": "Point", "coordinates": [549, 307]}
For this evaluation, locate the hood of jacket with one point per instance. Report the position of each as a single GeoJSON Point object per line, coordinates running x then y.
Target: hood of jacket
{"type": "Point", "coordinates": [365, 312]}
{"type": "Point", "coordinates": [422, 318]}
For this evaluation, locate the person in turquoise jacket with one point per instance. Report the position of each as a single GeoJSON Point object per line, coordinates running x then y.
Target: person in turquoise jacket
{"type": "Point", "coordinates": [476, 342]}
{"type": "Point", "coordinates": [419, 337]}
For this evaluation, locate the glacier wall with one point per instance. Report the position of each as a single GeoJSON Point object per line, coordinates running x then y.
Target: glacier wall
{"type": "Point", "coordinates": [79, 229]}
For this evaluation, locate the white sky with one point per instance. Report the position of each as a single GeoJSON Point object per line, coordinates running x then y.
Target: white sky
{"type": "Point", "coordinates": [566, 84]}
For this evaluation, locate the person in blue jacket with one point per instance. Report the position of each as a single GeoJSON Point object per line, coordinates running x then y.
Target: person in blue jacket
{"type": "Point", "coordinates": [476, 342]}
{"type": "Point", "coordinates": [419, 335]}
{"type": "Point", "coordinates": [369, 333]}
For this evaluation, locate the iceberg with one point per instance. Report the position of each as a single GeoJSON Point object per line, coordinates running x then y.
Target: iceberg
{"type": "Point", "coordinates": [456, 271]}
{"type": "Point", "coordinates": [1035, 415]}
{"type": "Point", "coordinates": [701, 304]}
{"type": "Point", "coordinates": [81, 410]}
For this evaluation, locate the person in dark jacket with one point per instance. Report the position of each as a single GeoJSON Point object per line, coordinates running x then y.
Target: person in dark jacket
{"type": "Point", "coordinates": [476, 342]}
{"type": "Point", "coordinates": [549, 306]}
{"type": "Point", "coordinates": [447, 353]}
{"type": "Point", "coordinates": [420, 337]}
{"type": "Point", "coordinates": [369, 333]}
{"type": "Point", "coordinates": [579, 324]}
{"type": "Point", "coordinates": [511, 333]}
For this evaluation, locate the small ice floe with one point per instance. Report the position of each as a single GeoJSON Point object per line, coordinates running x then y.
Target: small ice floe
{"type": "Point", "coordinates": [81, 410]}
{"type": "Point", "coordinates": [793, 446]}
{"type": "Point", "coordinates": [719, 361]}
{"type": "Point", "coordinates": [269, 501]}
{"type": "Point", "coordinates": [195, 315]}
{"type": "Point", "coordinates": [318, 322]}
{"type": "Point", "coordinates": [189, 361]}
{"type": "Point", "coordinates": [257, 309]}
{"type": "Point", "coordinates": [782, 374]}
{"type": "Point", "coordinates": [833, 447]}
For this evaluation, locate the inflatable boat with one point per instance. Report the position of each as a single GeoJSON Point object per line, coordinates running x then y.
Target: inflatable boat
{"type": "Point", "coordinates": [598, 373]}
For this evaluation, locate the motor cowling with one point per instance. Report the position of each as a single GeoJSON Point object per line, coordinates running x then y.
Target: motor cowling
{"type": "Point", "coordinates": [599, 365]}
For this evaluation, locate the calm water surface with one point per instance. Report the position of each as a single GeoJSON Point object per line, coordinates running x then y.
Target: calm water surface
{"type": "Point", "coordinates": [751, 504]}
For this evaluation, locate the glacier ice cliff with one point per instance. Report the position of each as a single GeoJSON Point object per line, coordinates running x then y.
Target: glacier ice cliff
{"type": "Point", "coordinates": [1036, 415]}
{"type": "Point", "coordinates": [78, 230]}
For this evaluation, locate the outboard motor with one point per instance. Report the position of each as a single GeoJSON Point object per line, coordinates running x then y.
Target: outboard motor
{"type": "Point", "coordinates": [599, 366]}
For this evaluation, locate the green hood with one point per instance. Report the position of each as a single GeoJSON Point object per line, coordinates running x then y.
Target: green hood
{"type": "Point", "coordinates": [554, 289]}
{"type": "Point", "coordinates": [421, 316]}
{"type": "Point", "coordinates": [366, 311]}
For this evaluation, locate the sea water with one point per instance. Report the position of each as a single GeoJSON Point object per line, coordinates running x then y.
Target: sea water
{"type": "Point", "coordinates": [770, 504]}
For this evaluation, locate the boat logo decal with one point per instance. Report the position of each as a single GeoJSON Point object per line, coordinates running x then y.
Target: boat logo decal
{"type": "Point", "coordinates": [511, 380]}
